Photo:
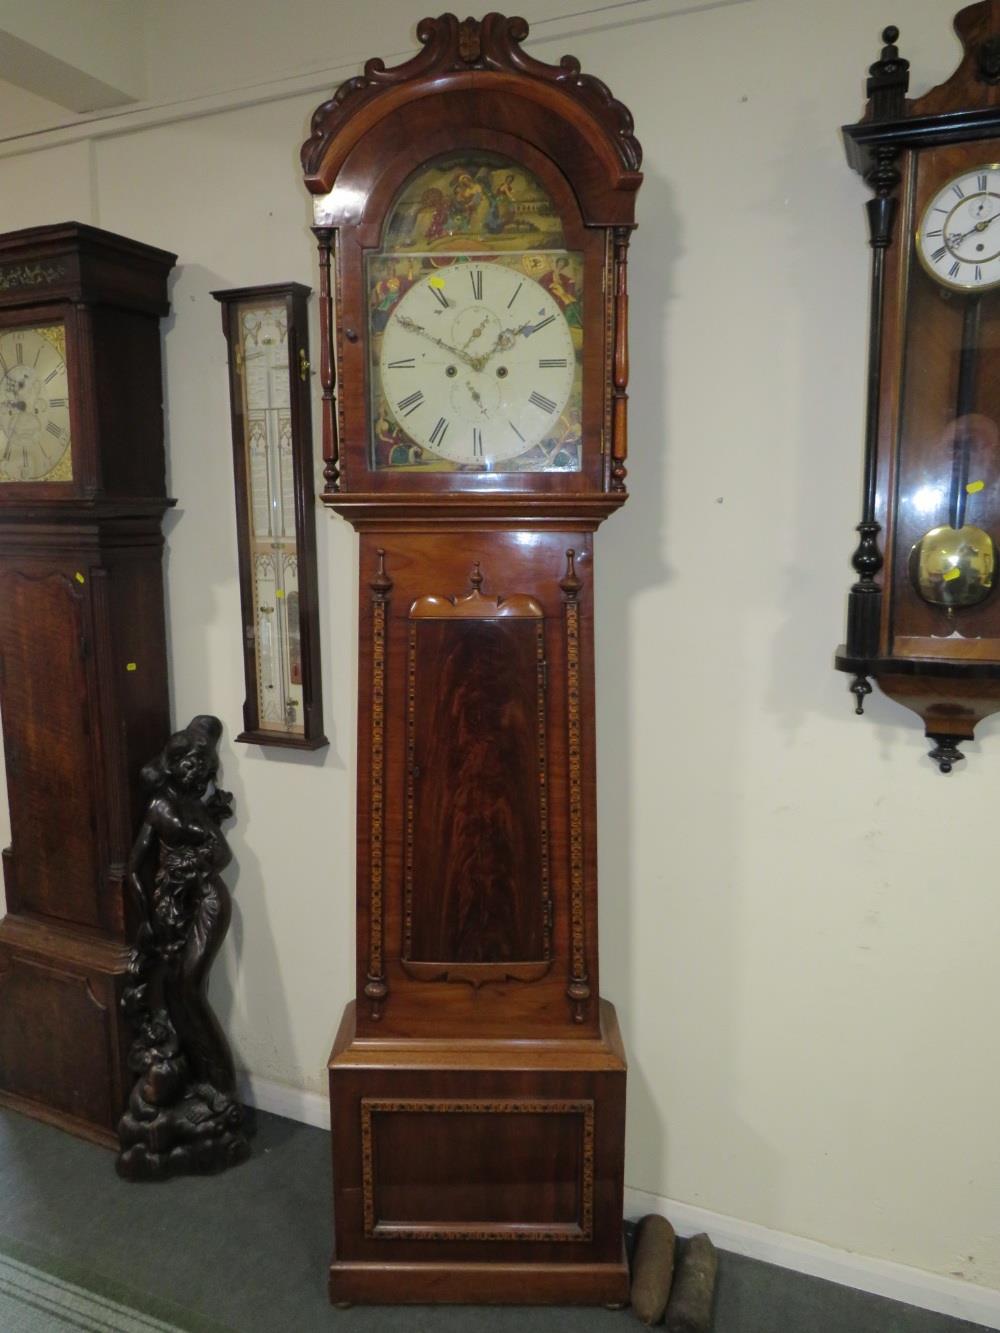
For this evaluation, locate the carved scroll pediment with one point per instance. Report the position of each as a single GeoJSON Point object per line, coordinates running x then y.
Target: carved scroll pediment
{"type": "Point", "coordinates": [454, 47]}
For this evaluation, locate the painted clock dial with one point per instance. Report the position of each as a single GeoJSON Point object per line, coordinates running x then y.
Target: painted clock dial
{"type": "Point", "coordinates": [478, 363]}
{"type": "Point", "coordinates": [958, 240]}
{"type": "Point", "coordinates": [34, 405]}
{"type": "Point", "coordinates": [475, 324]}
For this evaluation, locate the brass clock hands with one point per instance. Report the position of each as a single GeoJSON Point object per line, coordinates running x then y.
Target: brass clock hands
{"type": "Point", "coordinates": [979, 226]}
{"type": "Point", "coordinates": [412, 326]}
{"type": "Point", "coordinates": [477, 397]}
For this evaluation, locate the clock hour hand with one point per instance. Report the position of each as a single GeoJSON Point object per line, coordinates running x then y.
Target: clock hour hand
{"type": "Point", "coordinates": [505, 341]}
{"type": "Point", "coordinates": [979, 226]}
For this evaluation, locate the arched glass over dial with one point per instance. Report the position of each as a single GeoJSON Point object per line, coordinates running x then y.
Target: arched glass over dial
{"type": "Point", "coordinates": [475, 324]}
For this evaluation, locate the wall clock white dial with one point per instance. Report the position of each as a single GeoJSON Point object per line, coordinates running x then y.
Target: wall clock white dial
{"type": "Point", "coordinates": [958, 239]}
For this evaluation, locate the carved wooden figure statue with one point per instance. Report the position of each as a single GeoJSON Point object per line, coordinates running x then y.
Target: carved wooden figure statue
{"type": "Point", "coordinates": [183, 1115]}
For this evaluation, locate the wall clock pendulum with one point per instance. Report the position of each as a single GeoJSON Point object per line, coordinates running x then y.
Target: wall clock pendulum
{"type": "Point", "coordinates": [924, 614]}
{"type": "Point", "coordinates": [83, 672]}
{"type": "Point", "coordinates": [473, 209]}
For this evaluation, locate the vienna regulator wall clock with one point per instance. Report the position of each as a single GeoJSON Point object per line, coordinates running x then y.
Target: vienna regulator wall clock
{"type": "Point", "coordinates": [473, 208]}
{"type": "Point", "coordinates": [924, 614]}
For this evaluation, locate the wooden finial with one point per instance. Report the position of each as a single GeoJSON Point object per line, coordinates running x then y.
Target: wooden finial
{"type": "Point", "coordinates": [476, 577]}
{"type": "Point", "coordinates": [570, 581]}
{"type": "Point", "coordinates": [381, 583]}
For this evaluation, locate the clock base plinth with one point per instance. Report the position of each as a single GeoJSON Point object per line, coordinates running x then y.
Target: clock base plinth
{"type": "Point", "coordinates": [494, 1283]}
{"type": "Point", "coordinates": [62, 1044]}
{"type": "Point", "coordinates": [478, 1172]}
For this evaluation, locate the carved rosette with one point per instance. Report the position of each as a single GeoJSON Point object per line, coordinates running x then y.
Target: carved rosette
{"type": "Point", "coordinates": [578, 989]}
{"type": "Point", "coordinates": [376, 989]}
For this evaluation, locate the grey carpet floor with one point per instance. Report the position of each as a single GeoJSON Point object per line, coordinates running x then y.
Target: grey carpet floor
{"type": "Point", "coordinates": [249, 1249]}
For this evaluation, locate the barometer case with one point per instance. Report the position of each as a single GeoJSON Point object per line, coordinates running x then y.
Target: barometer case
{"type": "Point", "coordinates": [267, 334]}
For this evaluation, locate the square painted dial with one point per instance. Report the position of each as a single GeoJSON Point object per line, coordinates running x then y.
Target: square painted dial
{"type": "Point", "coordinates": [35, 439]}
{"type": "Point", "coordinates": [475, 325]}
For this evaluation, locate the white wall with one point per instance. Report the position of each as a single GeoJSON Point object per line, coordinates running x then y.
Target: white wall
{"type": "Point", "coordinates": [799, 913]}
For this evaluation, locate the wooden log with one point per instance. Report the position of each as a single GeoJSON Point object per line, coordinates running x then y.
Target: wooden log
{"type": "Point", "coordinates": [652, 1268]}
{"type": "Point", "coordinates": [690, 1307]}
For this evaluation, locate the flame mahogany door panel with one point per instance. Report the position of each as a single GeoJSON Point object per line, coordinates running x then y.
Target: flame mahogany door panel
{"type": "Point", "coordinates": [476, 880]}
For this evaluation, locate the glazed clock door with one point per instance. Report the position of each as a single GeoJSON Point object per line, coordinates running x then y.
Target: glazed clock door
{"type": "Point", "coordinates": [475, 324]}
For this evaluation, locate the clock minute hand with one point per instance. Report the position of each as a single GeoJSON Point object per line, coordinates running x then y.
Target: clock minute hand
{"type": "Point", "coordinates": [412, 326]}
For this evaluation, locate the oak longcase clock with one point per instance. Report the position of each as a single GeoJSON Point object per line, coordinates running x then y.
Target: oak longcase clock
{"type": "Point", "coordinates": [924, 614]}
{"type": "Point", "coordinates": [473, 209]}
{"type": "Point", "coordinates": [83, 673]}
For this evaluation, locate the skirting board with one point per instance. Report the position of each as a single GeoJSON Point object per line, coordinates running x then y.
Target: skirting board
{"type": "Point", "coordinates": [881, 1277]}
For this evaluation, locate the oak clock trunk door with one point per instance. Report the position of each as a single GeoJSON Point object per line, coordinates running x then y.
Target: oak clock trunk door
{"type": "Point", "coordinates": [50, 769]}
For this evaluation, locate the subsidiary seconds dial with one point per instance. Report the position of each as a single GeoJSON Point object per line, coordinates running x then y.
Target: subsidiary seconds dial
{"type": "Point", "coordinates": [477, 363]}
{"type": "Point", "coordinates": [958, 240]}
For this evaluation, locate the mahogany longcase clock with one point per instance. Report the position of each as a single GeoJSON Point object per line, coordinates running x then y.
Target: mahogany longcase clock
{"type": "Point", "coordinates": [473, 208]}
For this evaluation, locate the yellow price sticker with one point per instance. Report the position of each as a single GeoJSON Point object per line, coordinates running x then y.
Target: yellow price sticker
{"type": "Point", "coordinates": [279, 593]}
{"type": "Point", "coordinates": [435, 282]}
{"type": "Point", "coordinates": [79, 577]}
{"type": "Point", "coordinates": [975, 486]}
{"type": "Point", "coordinates": [952, 574]}
{"type": "Point", "coordinates": [130, 666]}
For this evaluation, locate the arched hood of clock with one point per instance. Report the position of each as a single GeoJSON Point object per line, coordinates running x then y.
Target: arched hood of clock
{"type": "Point", "coordinates": [473, 78]}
